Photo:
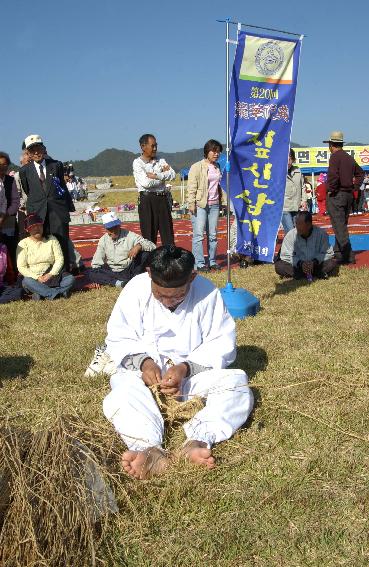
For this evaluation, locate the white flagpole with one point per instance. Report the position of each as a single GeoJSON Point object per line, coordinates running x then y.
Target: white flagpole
{"type": "Point", "coordinates": [227, 162]}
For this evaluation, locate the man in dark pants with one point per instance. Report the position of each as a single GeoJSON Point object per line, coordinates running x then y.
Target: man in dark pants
{"type": "Point", "coordinates": [154, 207]}
{"type": "Point", "coordinates": [305, 252]}
{"type": "Point", "coordinates": [43, 182]}
{"type": "Point", "coordinates": [344, 176]}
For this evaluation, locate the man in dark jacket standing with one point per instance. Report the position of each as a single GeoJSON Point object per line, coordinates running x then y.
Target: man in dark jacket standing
{"type": "Point", "coordinates": [344, 176]}
{"type": "Point", "coordinates": [47, 195]}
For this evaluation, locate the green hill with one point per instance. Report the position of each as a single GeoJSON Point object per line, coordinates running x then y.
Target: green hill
{"type": "Point", "coordinates": [119, 162]}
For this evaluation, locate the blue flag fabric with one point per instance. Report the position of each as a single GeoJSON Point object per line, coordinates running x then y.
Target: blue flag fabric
{"type": "Point", "coordinates": [262, 98]}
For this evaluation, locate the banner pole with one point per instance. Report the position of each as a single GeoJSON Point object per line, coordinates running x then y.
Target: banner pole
{"type": "Point", "coordinates": [228, 165]}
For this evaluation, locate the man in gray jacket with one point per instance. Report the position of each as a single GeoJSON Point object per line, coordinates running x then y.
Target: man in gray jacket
{"type": "Point", "coordinates": [120, 254]}
{"type": "Point", "coordinates": [305, 251]}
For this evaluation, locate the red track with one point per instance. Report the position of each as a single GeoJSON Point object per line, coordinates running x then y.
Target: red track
{"type": "Point", "coordinates": [85, 236]}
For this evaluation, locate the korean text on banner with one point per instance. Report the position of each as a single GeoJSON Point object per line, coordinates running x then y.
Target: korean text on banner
{"type": "Point", "coordinates": [262, 98]}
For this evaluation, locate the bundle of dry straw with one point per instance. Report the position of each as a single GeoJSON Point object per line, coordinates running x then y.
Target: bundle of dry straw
{"type": "Point", "coordinates": [54, 497]}
{"type": "Point", "coordinates": [175, 410]}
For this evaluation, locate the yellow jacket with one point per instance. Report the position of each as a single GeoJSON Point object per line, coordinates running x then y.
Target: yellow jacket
{"type": "Point", "coordinates": [198, 185]}
{"type": "Point", "coordinates": [36, 258]}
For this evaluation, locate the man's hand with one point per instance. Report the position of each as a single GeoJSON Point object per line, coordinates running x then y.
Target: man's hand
{"type": "Point", "coordinates": [44, 278]}
{"type": "Point", "coordinates": [172, 379]}
{"type": "Point", "coordinates": [307, 267]}
{"type": "Point", "coordinates": [151, 175]}
{"type": "Point", "coordinates": [134, 251]}
{"type": "Point", "coordinates": [151, 373]}
{"type": "Point", "coordinates": [192, 209]}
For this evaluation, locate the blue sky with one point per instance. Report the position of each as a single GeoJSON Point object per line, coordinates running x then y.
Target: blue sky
{"type": "Point", "coordinates": [89, 75]}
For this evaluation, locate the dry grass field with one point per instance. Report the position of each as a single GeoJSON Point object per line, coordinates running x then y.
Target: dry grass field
{"type": "Point", "coordinates": [289, 490]}
{"type": "Point", "coordinates": [114, 198]}
{"type": "Point", "coordinates": [127, 181]}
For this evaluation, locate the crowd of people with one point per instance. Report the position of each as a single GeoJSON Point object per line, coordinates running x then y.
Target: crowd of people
{"type": "Point", "coordinates": [169, 330]}
{"type": "Point", "coordinates": [35, 204]}
{"type": "Point", "coordinates": [305, 250]}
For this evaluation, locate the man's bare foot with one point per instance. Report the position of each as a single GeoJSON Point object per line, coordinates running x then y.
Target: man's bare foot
{"type": "Point", "coordinates": [144, 464]}
{"type": "Point", "coordinates": [198, 453]}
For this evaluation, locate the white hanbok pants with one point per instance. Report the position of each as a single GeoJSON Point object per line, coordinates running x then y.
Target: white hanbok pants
{"type": "Point", "coordinates": [131, 407]}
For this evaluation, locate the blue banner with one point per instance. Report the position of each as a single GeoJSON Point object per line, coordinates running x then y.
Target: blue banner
{"type": "Point", "coordinates": [262, 99]}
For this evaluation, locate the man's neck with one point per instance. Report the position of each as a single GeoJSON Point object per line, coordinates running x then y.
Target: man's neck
{"type": "Point", "coordinates": [147, 159]}
{"type": "Point", "coordinates": [308, 235]}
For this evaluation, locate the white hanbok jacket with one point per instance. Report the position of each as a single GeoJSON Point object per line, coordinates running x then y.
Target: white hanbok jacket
{"type": "Point", "coordinates": [200, 330]}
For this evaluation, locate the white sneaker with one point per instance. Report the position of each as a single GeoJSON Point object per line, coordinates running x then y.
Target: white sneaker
{"type": "Point", "coordinates": [101, 363]}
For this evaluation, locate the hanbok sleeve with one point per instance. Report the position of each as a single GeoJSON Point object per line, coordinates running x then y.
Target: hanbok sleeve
{"type": "Point", "coordinates": [218, 347]}
{"type": "Point", "coordinates": [125, 327]}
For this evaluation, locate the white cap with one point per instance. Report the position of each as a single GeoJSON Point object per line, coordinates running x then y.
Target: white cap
{"type": "Point", "coordinates": [32, 140]}
{"type": "Point", "coordinates": [110, 219]}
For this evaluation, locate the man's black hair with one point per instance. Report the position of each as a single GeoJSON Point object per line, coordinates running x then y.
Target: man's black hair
{"type": "Point", "coordinates": [306, 216]}
{"type": "Point", "coordinates": [171, 266]}
{"type": "Point", "coordinates": [6, 156]}
{"type": "Point", "coordinates": [336, 144]}
{"type": "Point", "coordinates": [145, 139]}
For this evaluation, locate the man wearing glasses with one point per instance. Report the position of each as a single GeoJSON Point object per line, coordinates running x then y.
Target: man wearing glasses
{"type": "Point", "coordinates": [47, 195]}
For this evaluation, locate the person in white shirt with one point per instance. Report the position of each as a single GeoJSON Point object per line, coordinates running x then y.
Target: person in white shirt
{"type": "Point", "coordinates": [72, 187]}
{"type": "Point", "coordinates": [154, 204]}
{"type": "Point", "coordinates": [170, 329]}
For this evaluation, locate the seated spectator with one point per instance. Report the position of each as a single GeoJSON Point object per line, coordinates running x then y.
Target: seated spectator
{"type": "Point", "coordinates": [7, 293]}
{"type": "Point", "coordinates": [120, 254]}
{"type": "Point", "coordinates": [40, 262]}
{"type": "Point", "coordinates": [305, 251]}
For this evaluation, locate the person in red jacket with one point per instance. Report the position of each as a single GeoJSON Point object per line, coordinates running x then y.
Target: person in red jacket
{"type": "Point", "coordinates": [321, 193]}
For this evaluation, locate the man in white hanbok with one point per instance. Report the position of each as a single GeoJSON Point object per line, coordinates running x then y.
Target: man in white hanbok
{"type": "Point", "coordinates": [170, 327]}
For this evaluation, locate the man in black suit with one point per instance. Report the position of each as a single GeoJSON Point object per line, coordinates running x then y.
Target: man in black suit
{"type": "Point", "coordinates": [47, 195]}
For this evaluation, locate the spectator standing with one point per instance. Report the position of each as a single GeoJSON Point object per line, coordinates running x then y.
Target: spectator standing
{"type": "Point", "coordinates": [72, 187]}
{"type": "Point", "coordinates": [23, 160]}
{"type": "Point", "coordinates": [366, 191]}
{"type": "Point", "coordinates": [344, 176]}
{"type": "Point", "coordinates": [151, 175]}
{"type": "Point", "coordinates": [47, 195]}
{"type": "Point", "coordinates": [294, 196]}
{"type": "Point", "coordinates": [9, 227]}
{"type": "Point", "coordinates": [204, 197]}
{"type": "Point", "coordinates": [321, 193]}
{"type": "Point", "coordinates": [309, 193]}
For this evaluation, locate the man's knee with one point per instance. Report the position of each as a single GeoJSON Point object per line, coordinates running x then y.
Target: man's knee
{"type": "Point", "coordinates": [230, 378]}
{"type": "Point", "coordinates": [284, 269]}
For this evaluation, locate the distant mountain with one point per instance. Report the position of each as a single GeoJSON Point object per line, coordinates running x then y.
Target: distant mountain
{"type": "Point", "coordinates": [107, 162]}
{"type": "Point", "coordinates": [119, 162]}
